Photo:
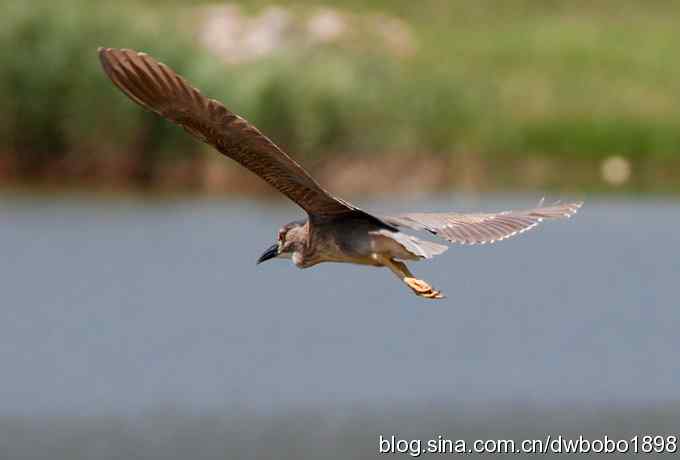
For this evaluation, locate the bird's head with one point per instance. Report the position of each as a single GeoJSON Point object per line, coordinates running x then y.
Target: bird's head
{"type": "Point", "coordinates": [290, 240]}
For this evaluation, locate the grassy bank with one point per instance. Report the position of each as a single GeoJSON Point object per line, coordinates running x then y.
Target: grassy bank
{"type": "Point", "coordinates": [485, 82]}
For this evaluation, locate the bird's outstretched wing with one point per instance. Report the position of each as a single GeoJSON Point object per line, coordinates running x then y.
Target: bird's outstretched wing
{"type": "Point", "coordinates": [158, 88]}
{"type": "Point", "coordinates": [481, 228]}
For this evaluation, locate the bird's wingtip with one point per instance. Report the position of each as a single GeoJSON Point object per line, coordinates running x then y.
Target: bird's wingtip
{"type": "Point", "coordinates": [572, 208]}
{"type": "Point", "coordinates": [576, 205]}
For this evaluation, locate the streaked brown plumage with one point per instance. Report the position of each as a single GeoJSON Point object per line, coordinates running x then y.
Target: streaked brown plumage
{"type": "Point", "coordinates": [335, 231]}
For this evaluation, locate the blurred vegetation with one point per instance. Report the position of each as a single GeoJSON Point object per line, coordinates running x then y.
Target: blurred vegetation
{"type": "Point", "coordinates": [566, 82]}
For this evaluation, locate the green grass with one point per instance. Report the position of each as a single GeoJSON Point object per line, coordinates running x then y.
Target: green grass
{"type": "Point", "coordinates": [497, 79]}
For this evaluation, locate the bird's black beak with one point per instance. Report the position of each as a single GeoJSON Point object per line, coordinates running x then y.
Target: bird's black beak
{"type": "Point", "coordinates": [270, 253]}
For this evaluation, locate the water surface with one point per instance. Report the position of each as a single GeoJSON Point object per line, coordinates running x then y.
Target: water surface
{"type": "Point", "coordinates": [128, 305]}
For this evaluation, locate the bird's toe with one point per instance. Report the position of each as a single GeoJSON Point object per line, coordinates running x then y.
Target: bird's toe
{"type": "Point", "coordinates": [434, 295]}
{"type": "Point", "coordinates": [422, 288]}
{"type": "Point", "coordinates": [417, 285]}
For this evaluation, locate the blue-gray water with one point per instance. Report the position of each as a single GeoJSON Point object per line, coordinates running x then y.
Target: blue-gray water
{"type": "Point", "coordinates": [120, 308]}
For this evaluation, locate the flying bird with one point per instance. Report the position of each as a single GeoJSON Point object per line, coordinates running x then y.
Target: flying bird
{"type": "Point", "coordinates": [335, 230]}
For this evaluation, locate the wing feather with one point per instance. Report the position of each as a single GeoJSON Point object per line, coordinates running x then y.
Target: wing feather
{"type": "Point", "coordinates": [481, 228]}
{"type": "Point", "coordinates": [159, 89]}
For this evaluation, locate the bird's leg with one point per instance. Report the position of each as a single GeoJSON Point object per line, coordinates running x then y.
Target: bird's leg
{"type": "Point", "coordinates": [419, 287]}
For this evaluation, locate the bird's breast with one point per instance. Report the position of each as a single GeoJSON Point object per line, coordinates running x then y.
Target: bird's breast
{"type": "Point", "coordinates": [340, 245]}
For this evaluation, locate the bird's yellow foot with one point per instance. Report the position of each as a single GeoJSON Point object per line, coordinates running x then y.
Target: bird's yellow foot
{"type": "Point", "coordinates": [422, 288]}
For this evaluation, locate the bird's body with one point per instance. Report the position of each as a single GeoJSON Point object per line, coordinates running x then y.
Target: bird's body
{"type": "Point", "coordinates": [336, 230]}
{"type": "Point", "coordinates": [355, 241]}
